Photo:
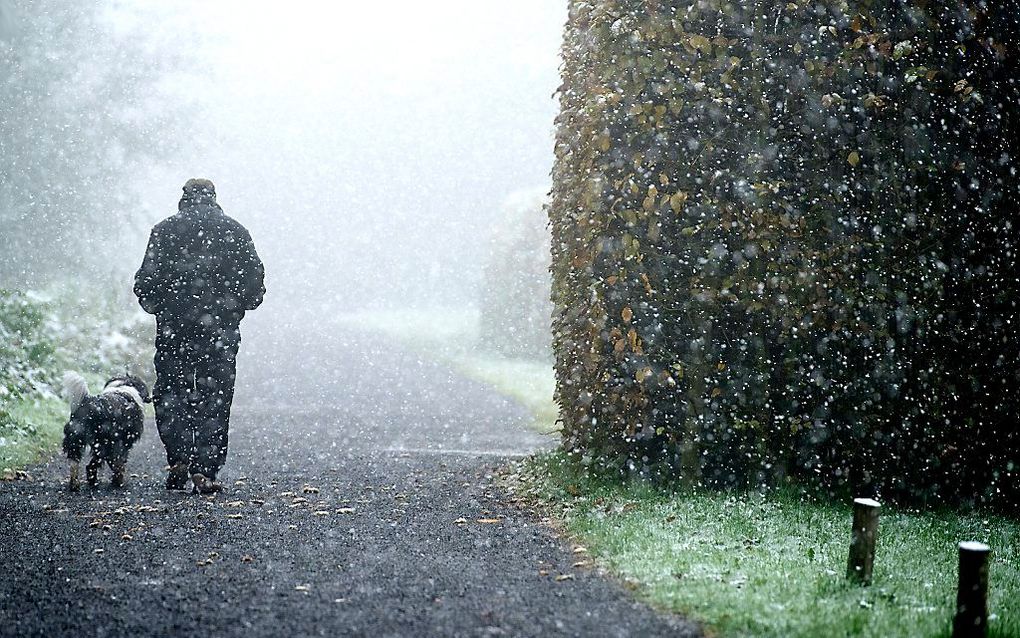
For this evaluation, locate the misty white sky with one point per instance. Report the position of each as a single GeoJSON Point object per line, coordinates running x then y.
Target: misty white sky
{"type": "Point", "coordinates": [368, 146]}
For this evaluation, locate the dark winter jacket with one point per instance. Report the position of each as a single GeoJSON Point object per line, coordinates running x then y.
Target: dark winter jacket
{"type": "Point", "coordinates": [200, 269]}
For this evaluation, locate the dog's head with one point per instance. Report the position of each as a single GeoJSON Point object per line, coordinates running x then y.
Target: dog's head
{"type": "Point", "coordinates": [131, 381]}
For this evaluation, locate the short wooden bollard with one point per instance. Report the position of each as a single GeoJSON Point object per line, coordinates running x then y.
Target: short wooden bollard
{"type": "Point", "coordinates": [971, 619]}
{"type": "Point", "coordinates": [862, 540]}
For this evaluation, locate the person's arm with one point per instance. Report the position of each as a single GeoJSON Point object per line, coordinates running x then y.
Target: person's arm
{"type": "Point", "coordinates": [251, 273]}
{"type": "Point", "coordinates": [149, 285]}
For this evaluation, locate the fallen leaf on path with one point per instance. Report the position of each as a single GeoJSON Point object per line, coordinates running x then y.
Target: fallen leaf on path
{"type": "Point", "coordinates": [580, 550]}
{"type": "Point", "coordinates": [490, 521]}
{"type": "Point", "coordinates": [563, 577]}
{"type": "Point", "coordinates": [304, 588]}
{"type": "Point", "coordinates": [345, 510]}
{"type": "Point", "coordinates": [321, 512]}
{"type": "Point", "coordinates": [460, 521]}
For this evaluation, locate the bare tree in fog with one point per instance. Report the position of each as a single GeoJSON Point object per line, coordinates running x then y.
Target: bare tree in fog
{"type": "Point", "coordinates": [76, 115]}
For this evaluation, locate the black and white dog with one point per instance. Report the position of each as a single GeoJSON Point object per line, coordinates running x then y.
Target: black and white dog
{"type": "Point", "coordinates": [109, 422]}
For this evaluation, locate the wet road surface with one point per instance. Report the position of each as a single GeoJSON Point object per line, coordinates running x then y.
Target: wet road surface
{"type": "Point", "coordinates": [360, 502]}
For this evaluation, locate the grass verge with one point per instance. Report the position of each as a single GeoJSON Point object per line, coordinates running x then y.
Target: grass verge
{"type": "Point", "coordinates": [450, 336]}
{"type": "Point", "coordinates": [753, 564]}
{"type": "Point", "coordinates": [30, 428]}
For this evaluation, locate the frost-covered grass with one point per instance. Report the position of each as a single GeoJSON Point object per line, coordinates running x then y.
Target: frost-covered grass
{"type": "Point", "coordinates": [30, 428]}
{"type": "Point", "coordinates": [32, 425]}
{"type": "Point", "coordinates": [750, 564]}
{"type": "Point", "coordinates": [450, 335]}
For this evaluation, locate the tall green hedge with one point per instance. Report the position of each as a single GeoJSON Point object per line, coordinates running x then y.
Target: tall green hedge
{"type": "Point", "coordinates": [785, 243]}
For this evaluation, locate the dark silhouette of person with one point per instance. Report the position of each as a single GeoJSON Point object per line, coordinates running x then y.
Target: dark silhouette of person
{"type": "Point", "coordinates": [199, 276]}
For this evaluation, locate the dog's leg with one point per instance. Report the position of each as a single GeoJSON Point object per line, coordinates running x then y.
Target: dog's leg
{"type": "Point", "coordinates": [92, 470]}
{"type": "Point", "coordinates": [74, 484]}
{"type": "Point", "coordinates": [117, 467]}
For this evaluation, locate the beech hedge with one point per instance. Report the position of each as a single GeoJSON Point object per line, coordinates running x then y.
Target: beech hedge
{"type": "Point", "coordinates": [785, 244]}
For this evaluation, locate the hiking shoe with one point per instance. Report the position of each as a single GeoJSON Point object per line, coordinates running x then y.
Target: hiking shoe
{"type": "Point", "coordinates": [177, 478]}
{"type": "Point", "coordinates": [205, 485]}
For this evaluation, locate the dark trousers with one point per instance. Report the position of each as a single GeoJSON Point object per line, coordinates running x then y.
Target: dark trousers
{"type": "Point", "coordinates": [195, 371]}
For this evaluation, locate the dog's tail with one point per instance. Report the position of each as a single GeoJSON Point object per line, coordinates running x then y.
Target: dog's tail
{"type": "Point", "coordinates": [75, 389]}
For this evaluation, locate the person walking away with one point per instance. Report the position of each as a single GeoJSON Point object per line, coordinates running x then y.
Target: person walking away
{"type": "Point", "coordinates": [200, 275]}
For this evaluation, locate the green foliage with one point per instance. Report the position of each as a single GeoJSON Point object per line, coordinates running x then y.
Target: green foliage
{"type": "Point", "coordinates": [28, 369]}
{"type": "Point", "coordinates": [773, 563]}
{"type": "Point", "coordinates": [27, 349]}
{"type": "Point", "coordinates": [782, 234]}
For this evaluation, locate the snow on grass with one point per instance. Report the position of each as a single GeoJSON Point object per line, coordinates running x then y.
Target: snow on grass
{"type": "Point", "coordinates": [30, 428]}
{"type": "Point", "coordinates": [751, 564]}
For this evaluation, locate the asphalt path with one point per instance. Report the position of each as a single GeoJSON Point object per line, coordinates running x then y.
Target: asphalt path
{"type": "Point", "coordinates": [360, 502]}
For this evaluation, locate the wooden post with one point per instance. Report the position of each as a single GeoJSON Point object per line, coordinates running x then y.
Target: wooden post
{"type": "Point", "coordinates": [862, 540]}
{"type": "Point", "coordinates": [971, 619]}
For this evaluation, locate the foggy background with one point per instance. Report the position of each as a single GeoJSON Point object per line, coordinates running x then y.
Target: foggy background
{"type": "Point", "coordinates": [370, 148]}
